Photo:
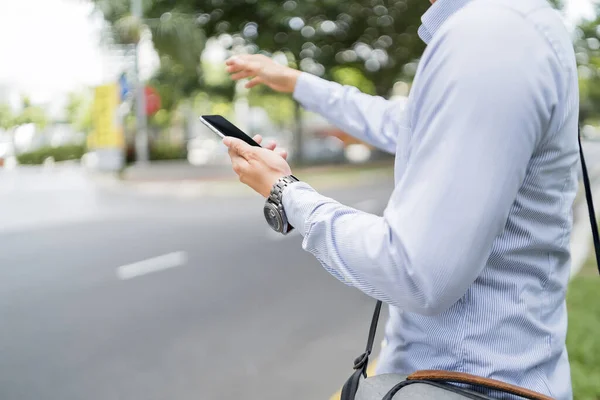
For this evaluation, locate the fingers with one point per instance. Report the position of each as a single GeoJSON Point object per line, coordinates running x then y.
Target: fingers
{"type": "Point", "coordinates": [271, 145]}
{"type": "Point", "coordinates": [238, 163]}
{"type": "Point", "coordinates": [241, 75]}
{"type": "Point", "coordinates": [257, 80]}
{"type": "Point", "coordinates": [239, 166]}
{"type": "Point", "coordinates": [238, 147]}
{"type": "Point", "coordinates": [235, 60]}
{"type": "Point", "coordinates": [247, 63]}
{"type": "Point", "coordinates": [242, 58]}
{"type": "Point", "coordinates": [246, 66]}
{"type": "Point", "coordinates": [236, 65]}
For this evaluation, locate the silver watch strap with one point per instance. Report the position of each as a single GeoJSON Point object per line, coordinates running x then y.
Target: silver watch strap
{"type": "Point", "coordinates": [279, 187]}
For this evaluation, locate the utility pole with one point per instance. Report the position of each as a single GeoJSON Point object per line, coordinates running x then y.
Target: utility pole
{"type": "Point", "coordinates": [299, 136]}
{"type": "Point", "coordinates": [299, 128]}
{"type": "Point", "coordinates": [141, 137]}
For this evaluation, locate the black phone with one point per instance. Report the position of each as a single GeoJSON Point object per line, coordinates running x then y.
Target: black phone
{"type": "Point", "coordinates": [223, 127]}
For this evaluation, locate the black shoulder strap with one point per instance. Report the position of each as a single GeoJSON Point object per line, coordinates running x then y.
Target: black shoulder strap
{"type": "Point", "coordinates": [360, 364]}
{"type": "Point", "coordinates": [590, 203]}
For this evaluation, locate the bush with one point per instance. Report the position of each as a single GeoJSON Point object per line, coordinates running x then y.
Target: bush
{"type": "Point", "coordinates": [164, 151]}
{"type": "Point", "coordinates": [62, 153]}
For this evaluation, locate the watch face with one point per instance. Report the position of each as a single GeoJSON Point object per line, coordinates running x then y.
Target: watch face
{"type": "Point", "coordinates": [273, 217]}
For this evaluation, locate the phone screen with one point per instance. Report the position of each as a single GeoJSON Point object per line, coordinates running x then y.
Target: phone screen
{"type": "Point", "coordinates": [226, 128]}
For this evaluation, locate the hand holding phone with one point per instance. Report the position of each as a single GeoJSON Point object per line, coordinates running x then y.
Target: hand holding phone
{"type": "Point", "coordinates": [223, 128]}
{"type": "Point", "coordinates": [258, 168]}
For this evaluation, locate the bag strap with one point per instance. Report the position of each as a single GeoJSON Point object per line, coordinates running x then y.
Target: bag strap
{"type": "Point", "coordinates": [590, 203]}
{"type": "Point", "coordinates": [461, 377]}
{"type": "Point", "coordinates": [360, 364]}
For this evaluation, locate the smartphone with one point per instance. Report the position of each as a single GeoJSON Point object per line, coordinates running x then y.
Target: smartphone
{"type": "Point", "coordinates": [222, 127]}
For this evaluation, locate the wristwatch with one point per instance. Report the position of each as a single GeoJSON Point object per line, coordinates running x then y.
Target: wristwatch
{"type": "Point", "coordinates": [273, 210]}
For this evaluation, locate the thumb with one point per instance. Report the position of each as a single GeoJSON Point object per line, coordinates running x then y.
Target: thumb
{"type": "Point", "coordinates": [238, 146]}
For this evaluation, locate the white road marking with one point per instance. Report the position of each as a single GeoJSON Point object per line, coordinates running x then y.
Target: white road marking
{"type": "Point", "coordinates": [150, 265]}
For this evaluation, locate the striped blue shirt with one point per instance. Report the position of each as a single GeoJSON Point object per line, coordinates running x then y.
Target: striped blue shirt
{"type": "Point", "coordinates": [472, 250]}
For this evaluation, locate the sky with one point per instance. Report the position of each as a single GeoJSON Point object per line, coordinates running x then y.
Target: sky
{"type": "Point", "coordinates": [47, 46]}
{"type": "Point", "coordinates": [51, 47]}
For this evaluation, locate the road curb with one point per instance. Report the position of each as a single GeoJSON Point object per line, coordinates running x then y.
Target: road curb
{"type": "Point", "coordinates": [581, 243]}
{"type": "Point", "coordinates": [320, 179]}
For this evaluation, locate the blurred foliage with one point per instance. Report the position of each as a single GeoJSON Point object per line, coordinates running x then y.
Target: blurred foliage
{"type": "Point", "coordinates": [31, 114]}
{"type": "Point", "coordinates": [79, 111]}
{"type": "Point", "coordinates": [167, 151]}
{"type": "Point", "coordinates": [353, 77]}
{"type": "Point", "coordinates": [174, 33]}
{"type": "Point", "coordinates": [587, 52]}
{"type": "Point", "coordinates": [279, 107]}
{"type": "Point", "coordinates": [62, 153]}
{"type": "Point", "coordinates": [176, 37]}
{"type": "Point", "coordinates": [161, 119]}
{"type": "Point", "coordinates": [7, 118]}
{"type": "Point", "coordinates": [203, 103]}
{"type": "Point", "coordinates": [557, 3]}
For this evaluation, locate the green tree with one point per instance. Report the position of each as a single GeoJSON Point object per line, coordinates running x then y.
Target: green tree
{"type": "Point", "coordinates": [176, 36]}
{"type": "Point", "coordinates": [31, 114]}
{"type": "Point", "coordinates": [377, 38]}
{"type": "Point", "coordinates": [79, 111]}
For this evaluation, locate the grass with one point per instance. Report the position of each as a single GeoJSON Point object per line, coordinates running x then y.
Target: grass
{"type": "Point", "coordinates": [583, 337]}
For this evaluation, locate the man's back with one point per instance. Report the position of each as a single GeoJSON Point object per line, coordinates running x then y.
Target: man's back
{"type": "Point", "coordinates": [511, 323]}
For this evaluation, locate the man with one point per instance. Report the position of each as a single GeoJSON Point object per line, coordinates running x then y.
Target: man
{"type": "Point", "coordinates": [472, 251]}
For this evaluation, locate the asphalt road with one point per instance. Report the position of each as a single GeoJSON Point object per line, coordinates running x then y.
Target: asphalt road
{"type": "Point", "coordinates": [240, 313]}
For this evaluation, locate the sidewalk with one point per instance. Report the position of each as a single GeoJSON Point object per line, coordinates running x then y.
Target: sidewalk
{"type": "Point", "coordinates": [168, 171]}
{"type": "Point", "coordinates": [177, 170]}
{"type": "Point", "coordinates": [178, 180]}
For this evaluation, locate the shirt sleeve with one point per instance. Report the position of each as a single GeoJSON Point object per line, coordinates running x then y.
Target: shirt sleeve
{"type": "Point", "coordinates": [482, 105]}
{"type": "Point", "coordinates": [372, 119]}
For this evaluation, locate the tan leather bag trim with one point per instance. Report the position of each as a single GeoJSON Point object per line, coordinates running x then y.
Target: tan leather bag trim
{"type": "Point", "coordinates": [460, 377]}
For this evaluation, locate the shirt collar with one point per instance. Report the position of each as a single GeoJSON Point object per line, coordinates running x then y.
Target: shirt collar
{"type": "Point", "coordinates": [437, 14]}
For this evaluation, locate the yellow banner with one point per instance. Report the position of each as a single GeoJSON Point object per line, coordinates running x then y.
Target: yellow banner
{"type": "Point", "coordinates": [107, 133]}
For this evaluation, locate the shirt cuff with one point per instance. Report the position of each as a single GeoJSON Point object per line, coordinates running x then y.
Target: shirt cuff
{"type": "Point", "coordinates": [311, 91]}
{"type": "Point", "coordinates": [299, 200]}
